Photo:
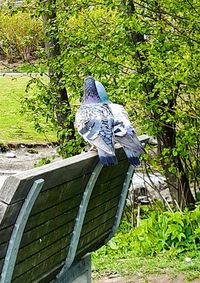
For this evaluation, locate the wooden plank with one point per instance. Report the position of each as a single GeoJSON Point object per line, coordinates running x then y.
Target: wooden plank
{"type": "Point", "coordinates": [95, 233]}
{"type": "Point", "coordinates": [60, 193]}
{"type": "Point", "coordinates": [107, 196]}
{"type": "Point", "coordinates": [101, 209]}
{"type": "Point", "coordinates": [91, 240]}
{"type": "Point", "coordinates": [10, 215]}
{"type": "Point", "coordinates": [1, 264]}
{"type": "Point", "coordinates": [100, 189]}
{"type": "Point", "coordinates": [16, 187]}
{"type": "Point", "coordinates": [48, 227]}
{"type": "Point", "coordinates": [45, 241]}
{"type": "Point", "coordinates": [50, 274]}
{"type": "Point", "coordinates": [38, 270]}
{"type": "Point", "coordinates": [5, 234]}
{"type": "Point", "coordinates": [3, 249]}
{"type": "Point", "coordinates": [53, 212]}
{"type": "Point", "coordinates": [112, 172]}
{"type": "Point", "coordinates": [36, 259]}
{"type": "Point", "coordinates": [3, 207]}
{"type": "Point", "coordinates": [98, 221]}
{"type": "Point", "coordinates": [74, 182]}
{"type": "Point", "coordinates": [92, 245]}
{"type": "Point", "coordinates": [97, 199]}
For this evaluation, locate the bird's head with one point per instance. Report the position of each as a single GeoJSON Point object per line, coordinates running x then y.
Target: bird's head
{"type": "Point", "coordinates": [101, 92]}
{"type": "Point", "coordinates": [90, 91]}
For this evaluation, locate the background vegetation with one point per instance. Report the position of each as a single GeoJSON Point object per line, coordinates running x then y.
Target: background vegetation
{"type": "Point", "coordinates": [146, 53]}
{"type": "Point", "coordinates": [16, 126]}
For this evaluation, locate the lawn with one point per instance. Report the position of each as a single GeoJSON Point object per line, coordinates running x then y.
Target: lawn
{"type": "Point", "coordinates": [16, 127]}
{"type": "Point", "coordinates": [148, 269]}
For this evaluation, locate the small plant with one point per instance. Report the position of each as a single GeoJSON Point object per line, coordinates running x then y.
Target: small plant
{"type": "Point", "coordinates": [32, 151]}
{"type": "Point", "coordinates": [43, 161]}
{"type": "Point", "coordinates": [3, 147]}
{"type": "Point", "coordinates": [21, 36]}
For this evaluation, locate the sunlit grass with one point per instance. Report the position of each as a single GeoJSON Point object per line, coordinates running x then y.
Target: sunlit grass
{"type": "Point", "coordinates": [128, 265]}
{"type": "Point", "coordinates": [16, 127]}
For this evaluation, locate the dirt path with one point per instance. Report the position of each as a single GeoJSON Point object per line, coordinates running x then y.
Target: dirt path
{"type": "Point", "coordinates": [24, 158]}
{"type": "Point", "coordinates": [161, 278]}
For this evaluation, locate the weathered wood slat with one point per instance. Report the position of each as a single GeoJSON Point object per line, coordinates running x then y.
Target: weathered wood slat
{"type": "Point", "coordinates": [45, 241]}
{"type": "Point", "coordinates": [3, 208]}
{"type": "Point", "coordinates": [106, 195]}
{"type": "Point", "coordinates": [93, 245]}
{"type": "Point", "coordinates": [1, 264]}
{"type": "Point", "coordinates": [34, 274]}
{"type": "Point", "coordinates": [53, 212]}
{"type": "Point", "coordinates": [113, 171]}
{"type": "Point", "coordinates": [86, 243]}
{"type": "Point", "coordinates": [5, 234]}
{"type": "Point", "coordinates": [53, 174]}
{"type": "Point", "coordinates": [60, 193]}
{"type": "Point", "coordinates": [98, 221]}
{"type": "Point", "coordinates": [10, 215]}
{"type": "Point", "coordinates": [100, 210]}
{"type": "Point", "coordinates": [44, 254]}
{"type": "Point", "coordinates": [3, 249]}
{"type": "Point", "coordinates": [48, 227]}
{"type": "Point", "coordinates": [104, 187]}
{"type": "Point", "coordinates": [63, 208]}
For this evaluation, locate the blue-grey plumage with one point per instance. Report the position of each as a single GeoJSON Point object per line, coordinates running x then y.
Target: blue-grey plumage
{"type": "Point", "coordinates": [94, 122]}
{"type": "Point", "coordinates": [124, 132]}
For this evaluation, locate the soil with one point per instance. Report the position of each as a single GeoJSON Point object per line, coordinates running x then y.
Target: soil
{"type": "Point", "coordinates": [22, 157]}
{"type": "Point", "coordinates": [151, 278]}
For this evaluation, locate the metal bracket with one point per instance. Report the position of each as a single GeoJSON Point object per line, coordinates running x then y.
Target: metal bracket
{"type": "Point", "coordinates": [61, 277]}
{"type": "Point", "coordinates": [121, 203]}
{"type": "Point", "coordinates": [16, 236]}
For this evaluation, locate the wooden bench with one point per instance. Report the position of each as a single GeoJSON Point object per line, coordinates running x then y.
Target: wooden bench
{"type": "Point", "coordinates": [53, 217]}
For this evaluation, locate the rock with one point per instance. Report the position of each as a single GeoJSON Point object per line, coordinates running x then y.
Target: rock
{"type": "Point", "coordinates": [10, 155]}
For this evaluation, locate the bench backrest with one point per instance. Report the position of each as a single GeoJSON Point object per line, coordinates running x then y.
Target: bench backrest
{"type": "Point", "coordinates": [52, 216]}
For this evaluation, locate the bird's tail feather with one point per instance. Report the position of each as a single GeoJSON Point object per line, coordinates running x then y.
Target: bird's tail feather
{"type": "Point", "coordinates": [107, 159]}
{"type": "Point", "coordinates": [133, 157]}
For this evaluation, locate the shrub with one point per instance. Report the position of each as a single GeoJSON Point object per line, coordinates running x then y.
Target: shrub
{"type": "Point", "coordinates": [20, 36]}
{"type": "Point", "coordinates": [168, 232]}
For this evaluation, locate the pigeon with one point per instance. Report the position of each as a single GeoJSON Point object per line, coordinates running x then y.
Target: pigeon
{"type": "Point", "coordinates": [124, 133]}
{"type": "Point", "coordinates": [95, 122]}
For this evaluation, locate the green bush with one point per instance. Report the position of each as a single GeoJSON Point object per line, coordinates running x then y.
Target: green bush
{"type": "Point", "coordinates": [20, 36]}
{"type": "Point", "coordinates": [168, 232]}
{"type": "Point", "coordinates": [177, 232]}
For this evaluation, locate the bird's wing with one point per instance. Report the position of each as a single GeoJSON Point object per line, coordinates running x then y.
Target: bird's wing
{"type": "Point", "coordinates": [95, 124]}
{"type": "Point", "coordinates": [123, 130]}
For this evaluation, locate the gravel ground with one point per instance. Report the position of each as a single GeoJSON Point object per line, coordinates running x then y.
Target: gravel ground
{"type": "Point", "coordinates": [24, 158]}
{"type": "Point", "coordinates": [152, 278]}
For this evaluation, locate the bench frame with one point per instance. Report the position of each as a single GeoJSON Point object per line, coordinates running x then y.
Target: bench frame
{"type": "Point", "coordinates": [71, 271]}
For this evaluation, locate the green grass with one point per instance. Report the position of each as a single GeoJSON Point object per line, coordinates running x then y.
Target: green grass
{"type": "Point", "coordinates": [16, 127]}
{"type": "Point", "coordinates": [130, 266]}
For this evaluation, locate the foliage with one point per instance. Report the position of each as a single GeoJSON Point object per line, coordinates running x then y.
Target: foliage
{"type": "Point", "coordinates": [162, 243]}
{"type": "Point", "coordinates": [20, 35]}
{"type": "Point", "coordinates": [170, 233]}
{"type": "Point", "coordinates": [3, 147]}
{"type": "Point", "coordinates": [43, 161]}
{"type": "Point", "coordinates": [147, 56]}
{"type": "Point", "coordinates": [33, 67]}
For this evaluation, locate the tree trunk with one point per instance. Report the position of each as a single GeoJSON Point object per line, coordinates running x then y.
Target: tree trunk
{"type": "Point", "coordinates": [53, 52]}
{"type": "Point", "coordinates": [179, 187]}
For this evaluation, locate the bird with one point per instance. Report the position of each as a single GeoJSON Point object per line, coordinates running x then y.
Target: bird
{"type": "Point", "coordinates": [94, 122]}
{"type": "Point", "coordinates": [124, 133]}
